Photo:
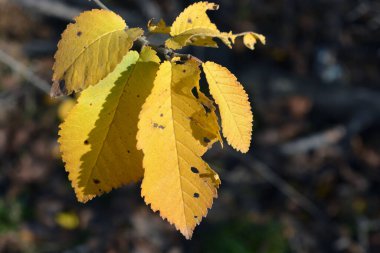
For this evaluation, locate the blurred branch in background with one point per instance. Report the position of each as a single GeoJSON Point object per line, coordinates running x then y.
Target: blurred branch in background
{"type": "Point", "coordinates": [316, 141]}
{"type": "Point", "coordinates": [268, 174]}
{"type": "Point", "coordinates": [100, 4]}
{"type": "Point", "coordinates": [50, 8]}
{"type": "Point", "coordinates": [24, 72]}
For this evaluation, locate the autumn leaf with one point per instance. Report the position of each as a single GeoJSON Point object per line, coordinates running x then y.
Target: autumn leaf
{"type": "Point", "coordinates": [90, 49]}
{"type": "Point", "coordinates": [159, 27]}
{"type": "Point", "coordinates": [250, 39]}
{"type": "Point", "coordinates": [194, 27]}
{"type": "Point", "coordinates": [177, 181]}
{"type": "Point", "coordinates": [235, 109]}
{"type": "Point", "coordinates": [98, 138]}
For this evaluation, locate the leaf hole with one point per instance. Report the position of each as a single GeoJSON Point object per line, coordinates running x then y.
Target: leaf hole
{"type": "Point", "coordinates": [195, 92]}
{"type": "Point", "coordinates": [208, 110]}
{"type": "Point", "coordinates": [206, 140]}
{"type": "Point", "coordinates": [196, 195]}
{"type": "Point", "coordinates": [194, 170]}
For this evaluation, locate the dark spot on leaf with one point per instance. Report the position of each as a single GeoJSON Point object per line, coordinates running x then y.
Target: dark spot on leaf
{"type": "Point", "coordinates": [196, 217]}
{"type": "Point", "coordinates": [184, 71]}
{"type": "Point", "coordinates": [196, 195]}
{"type": "Point", "coordinates": [189, 21]}
{"type": "Point", "coordinates": [100, 190]}
{"type": "Point", "coordinates": [138, 96]}
{"type": "Point", "coordinates": [96, 181]}
{"type": "Point", "coordinates": [161, 115]}
{"type": "Point", "coordinates": [206, 140]}
{"type": "Point", "coordinates": [208, 110]}
{"type": "Point", "coordinates": [79, 33]}
{"type": "Point", "coordinates": [90, 104]}
{"type": "Point", "coordinates": [195, 92]}
{"type": "Point", "coordinates": [128, 151]}
{"type": "Point", "coordinates": [86, 142]}
{"type": "Point", "coordinates": [155, 125]}
{"type": "Point", "coordinates": [194, 170]}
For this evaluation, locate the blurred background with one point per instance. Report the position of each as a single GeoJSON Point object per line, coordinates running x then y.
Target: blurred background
{"type": "Point", "coordinates": [311, 182]}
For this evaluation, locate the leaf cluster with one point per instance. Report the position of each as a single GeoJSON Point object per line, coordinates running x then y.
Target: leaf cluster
{"type": "Point", "coordinates": [141, 114]}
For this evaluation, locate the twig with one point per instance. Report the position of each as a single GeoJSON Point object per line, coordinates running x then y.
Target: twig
{"type": "Point", "coordinates": [24, 72]}
{"type": "Point", "coordinates": [100, 4]}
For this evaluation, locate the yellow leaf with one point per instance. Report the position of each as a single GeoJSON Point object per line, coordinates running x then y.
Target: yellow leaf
{"type": "Point", "coordinates": [90, 49]}
{"type": "Point", "coordinates": [251, 38]}
{"type": "Point", "coordinates": [193, 23]}
{"type": "Point", "coordinates": [98, 138]}
{"type": "Point", "coordinates": [177, 181]}
{"type": "Point", "coordinates": [194, 27]}
{"type": "Point", "coordinates": [235, 109]}
{"type": "Point", "coordinates": [148, 54]}
{"type": "Point", "coordinates": [207, 119]}
{"type": "Point", "coordinates": [160, 27]}
{"type": "Point", "coordinates": [180, 41]}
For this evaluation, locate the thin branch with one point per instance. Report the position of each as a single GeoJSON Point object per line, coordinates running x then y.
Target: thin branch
{"type": "Point", "coordinates": [100, 4]}
{"type": "Point", "coordinates": [24, 72]}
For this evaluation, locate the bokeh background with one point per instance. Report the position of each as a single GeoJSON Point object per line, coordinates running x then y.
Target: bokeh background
{"type": "Point", "coordinates": [311, 182]}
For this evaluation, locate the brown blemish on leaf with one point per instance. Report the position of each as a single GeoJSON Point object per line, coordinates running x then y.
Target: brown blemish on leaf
{"type": "Point", "coordinates": [155, 125]}
{"type": "Point", "coordinates": [59, 88]}
{"type": "Point", "coordinates": [86, 142]}
{"type": "Point", "coordinates": [79, 33]}
{"type": "Point", "coordinates": [189, 21]}
{"type": "Point", "coordinates": [196, 195]}
{"type": "Point", "coordinates": [96, 181]}
{"type": "Point", "coordinates": [161, 115]}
